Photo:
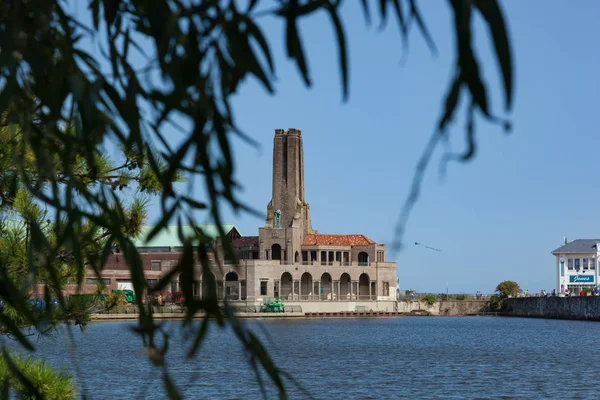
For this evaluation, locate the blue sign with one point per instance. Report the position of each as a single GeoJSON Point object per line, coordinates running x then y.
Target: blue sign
{"type": "Point", "coordinates": [581, 279]}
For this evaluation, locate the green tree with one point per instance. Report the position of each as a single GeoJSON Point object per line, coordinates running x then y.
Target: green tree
{"type": "Point", "coordinates": [65, 105]}
{"type": "Point", "coordinates": [508, 289]}
{"type": "Point", "coordinates": [42, 380]}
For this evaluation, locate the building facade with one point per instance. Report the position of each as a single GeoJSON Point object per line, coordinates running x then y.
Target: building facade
{"type": "Point", "coordinates": [577, 265]}
{"type": "Point", "coordinates": [287, 259]}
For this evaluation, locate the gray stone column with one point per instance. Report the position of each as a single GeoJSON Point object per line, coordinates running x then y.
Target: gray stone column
{"type": "Point", "coordinates": [239, 290]}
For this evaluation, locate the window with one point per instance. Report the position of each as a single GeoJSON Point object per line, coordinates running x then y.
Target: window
{"type": "Point", "coordinates": [152, 283]}
{"type": "Point", "coordinates": [263, 288]}
{"type": "Point", "coordinates": [577, 266]}
{"type": "Point", "coordinates": [94, 281]}
{"type": "Point", "coordinates": [386, 288]}
{"type": "Point", "coordinates": [584, 262]}
{"type": "Point", "coordinates": [156, 266]}
{"type": "Point", "coordinates": [592, 263]}
{"type": "Point", "coordinates": [570, 263]}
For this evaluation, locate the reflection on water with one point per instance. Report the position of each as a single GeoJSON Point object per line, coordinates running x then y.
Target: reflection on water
{"type": "Point", "coordinates": [418, 357]}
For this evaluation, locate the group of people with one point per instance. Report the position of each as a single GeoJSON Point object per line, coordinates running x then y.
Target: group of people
{"type": "Point", "coordinates": [542, 293]}
{"type": "Point", "coordinates": [594, 292]}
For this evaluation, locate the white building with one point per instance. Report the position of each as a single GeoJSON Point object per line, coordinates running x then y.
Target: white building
{"type": "Point", "coordinates": [577, 265]}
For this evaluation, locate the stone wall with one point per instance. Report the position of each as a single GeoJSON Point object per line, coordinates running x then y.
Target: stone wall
{"type": "Point", "coordinates": [446, 308]}
{"type": "Point", "coordinates": [464, 307]}
{"type": "Point", "coordinates": [582, 308]}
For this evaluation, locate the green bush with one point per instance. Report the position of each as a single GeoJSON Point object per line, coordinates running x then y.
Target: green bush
{"type": "Point", "coordinates": [429, 299]}
{"type": "Point", "coordinates": [508, 288]}
{"type": "Point", "coordinates": [496, 302]}
{"type": "Point", "coordinates": [460, 297]}
{"type": "Point", "coordinates": [48, 383]}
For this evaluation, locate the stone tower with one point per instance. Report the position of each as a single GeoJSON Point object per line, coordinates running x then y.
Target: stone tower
{"type": "Point", "coordinates": [287, 212]}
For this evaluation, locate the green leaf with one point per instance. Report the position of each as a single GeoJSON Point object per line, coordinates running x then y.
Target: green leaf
{"type": "Point", "coordinates": [30, 389]}
{"type": "Point", "coordinates": [450, 103]}
{"type": "Point", "coordinates": [493, 16]}
{"type": "Point", "coordinates": [383, 12]}
{"type": "Point", "coordinates": [293, 42]}
{"type": "Point", "coordinates": [170, 386]}
{"type": "Point", "coordinates": [110, 11]}
{"type": "Point", "coordinates": [342, 50]}
{"type": "Point", "coordinates": [366, 10]}
{"type": "Point", "coordinates": [400, 16]}
{"type": "Point", "coordinates": [255, 32]}
{"type": "Point", "coordinates": [416, 14]}
{"type": "Point", "coordinates": [95, 7]}
{"type": "Point", "coordinates": [470, 152]}
{"type": "Point", "coordinates": [194, 203]}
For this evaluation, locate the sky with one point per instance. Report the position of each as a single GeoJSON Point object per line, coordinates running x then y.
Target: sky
{"type": "Point", "coordinates": [495, 218]}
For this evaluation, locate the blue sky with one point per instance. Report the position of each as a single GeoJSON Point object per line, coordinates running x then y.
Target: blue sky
{"type": "Point", "coordinates": [497, 217]}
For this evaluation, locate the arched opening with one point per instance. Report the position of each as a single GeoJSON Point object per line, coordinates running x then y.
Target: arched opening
{"type": "Point", "coordinates": [363, 258]}
{"type": "Point", "coordinates": [297, 258]}
{"type": "Point", "coordinates": [326, 287]}
{"type": "Point", "coordinates": [363, 286]}
{"type": "Point", "coordinates": [306, 283]}
{"type": "Point", "coordinates": [345, 288]}
{"type": "Point", "coordinates": [276, 252]}
{"type": "Point", "coordinates": [286, 284]}
{"type": "Point", "coordinates": [231, 286]}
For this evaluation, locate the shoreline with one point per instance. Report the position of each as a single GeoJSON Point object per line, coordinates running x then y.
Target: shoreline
{"type": "Point", "coordinates": [320, 315]}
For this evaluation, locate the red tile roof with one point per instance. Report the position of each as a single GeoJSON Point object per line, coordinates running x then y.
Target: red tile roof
{"type": "Point", "coordinates": [337, 240]}
{"type": "Point", "coordinates": [245, 241]}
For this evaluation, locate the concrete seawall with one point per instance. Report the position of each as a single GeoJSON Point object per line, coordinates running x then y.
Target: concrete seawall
{"type": "Point", "coordinates": [342, 309]}
{"type": "Point", "coordinates": [445, 307]}
{"type": "Point", "coordinates": [580, 308]}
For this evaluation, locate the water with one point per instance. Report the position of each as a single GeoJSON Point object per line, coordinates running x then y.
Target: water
{"type": "Point", "coordinates": [405, 358]}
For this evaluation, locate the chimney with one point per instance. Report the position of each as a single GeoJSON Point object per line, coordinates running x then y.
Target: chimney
{"type": "Point", "coordinates": [565, 239]}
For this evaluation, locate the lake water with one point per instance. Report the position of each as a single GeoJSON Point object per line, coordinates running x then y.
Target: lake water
{"type": "Point", "coordinates": [395, 358]}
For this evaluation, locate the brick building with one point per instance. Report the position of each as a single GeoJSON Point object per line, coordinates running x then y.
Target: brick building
{"type": "Point", "coordinates": [287, 259]}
